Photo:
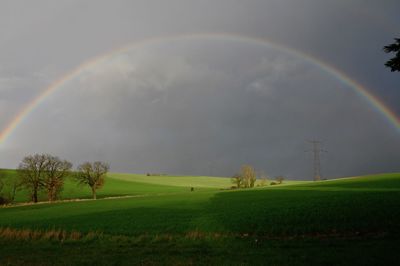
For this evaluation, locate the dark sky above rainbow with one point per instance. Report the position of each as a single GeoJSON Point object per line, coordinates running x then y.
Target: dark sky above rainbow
{"type": "Point", "coordinates": [201, 87]}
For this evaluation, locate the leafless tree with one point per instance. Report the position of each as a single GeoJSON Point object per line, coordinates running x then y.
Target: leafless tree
{"type": "Point", "coordinates": [92, 174]}
{"type": "Point", "coordinates": [248, 175]}
{"type": "Point", "coordinates": [31, 172]}
{"type": "Point", "coordinates": [280, 179]}
{"type": "Point", "coordinates": [56, 171]}
{"type": "Point", "coordinates": [246, 178]}
{"type": "Point", "coordinates": [42, 171]}
{"type": "Point", "coordinates": [237, 180]}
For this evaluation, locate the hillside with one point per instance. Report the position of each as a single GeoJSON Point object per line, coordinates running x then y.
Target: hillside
{"type": "Point", "coordinates": [354, 209]}
{"type": "Point", "coordinates": [123, 184]}
{"type": "Point", "coordinates": [315, 207]}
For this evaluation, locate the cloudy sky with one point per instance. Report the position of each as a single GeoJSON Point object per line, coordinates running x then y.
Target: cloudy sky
{"type": "Point", "coordinates": [192, 92]}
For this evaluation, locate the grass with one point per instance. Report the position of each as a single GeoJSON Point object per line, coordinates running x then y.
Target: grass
{"type": "Point", "coordinates": [130, 184]}
{"type": "Point", "coordinates": [186, 181]}
{"type": "Point", "coordinates": [327, 222]}
{"type": "Point", "coordinates": [161, 250]}
{"type": "Point", "coordinates": [119, 184]}
{"type": "Point", "coordinates": [179, 181]}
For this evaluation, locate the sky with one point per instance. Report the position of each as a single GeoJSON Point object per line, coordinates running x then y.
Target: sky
{"type": "Point", "coordinates": [201, 87]}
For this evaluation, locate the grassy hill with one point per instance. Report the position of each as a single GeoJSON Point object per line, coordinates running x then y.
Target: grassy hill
{"type": "Point", "coordinates": [302, 223]}
{"type": "Point", "coordinates": [122, 184]}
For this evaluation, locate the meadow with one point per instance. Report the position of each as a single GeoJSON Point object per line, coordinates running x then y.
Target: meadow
{"type": "Point", "coordinates": [158, 220]}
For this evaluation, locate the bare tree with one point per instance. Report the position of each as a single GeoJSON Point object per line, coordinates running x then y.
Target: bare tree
{"type": "Point", "coordinates": [42, 171]}
{"type": "Point", "coordinates": [237, 180]}
{"type": "Point", "coordinates": [56, 171]}
{"type": "Point", "coordinates": [246, 178]}
{"type": "Point", "coordinates": [248, 175]}
{"type": "Point", "coordinates": [92, 174]}
{"type": "Point", "coordinates": [279, 179]}
{"type": "Point", "coordinates": [31, 172]}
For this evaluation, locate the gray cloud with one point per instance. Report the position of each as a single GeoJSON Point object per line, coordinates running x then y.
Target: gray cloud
{"type": "Point", "coordinates": [201, 106]}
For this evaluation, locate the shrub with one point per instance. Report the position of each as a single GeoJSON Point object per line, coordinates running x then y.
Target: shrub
{"type": "Point", "coordinates": [3, 200]}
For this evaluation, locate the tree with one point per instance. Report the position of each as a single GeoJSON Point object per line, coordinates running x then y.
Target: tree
{"type": "Point", "coordinates": [237, 180]}
{"type": "Point", "coordinates": [246, 178]}
{"type": "Point", "coordinates": [31, 172]}
{"type": "Point", "coordinates": [248, 175]}
{"type": "Point", "coordinates": [393, 63]}
{"type": "Point", "coordinates": [56, 171]}
{"type": "Point", "coordinates": [279, 179]}
{"type": "Point", "coordinates": [42, 171]}
{"type": "Point", "coordinates": [92, 174]}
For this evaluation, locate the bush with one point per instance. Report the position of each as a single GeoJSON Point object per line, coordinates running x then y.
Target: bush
{"type": "Point", "coordinates": [4, 201]}
{"type": "Point", "coordinates": [273, 183]}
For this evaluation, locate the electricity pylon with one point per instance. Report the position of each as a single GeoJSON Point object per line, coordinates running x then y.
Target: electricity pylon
{"type": "Point", "coordinates": [316, 150]}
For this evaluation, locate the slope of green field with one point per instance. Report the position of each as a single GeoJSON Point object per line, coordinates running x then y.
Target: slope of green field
{"type": "Point", "coordinates": [350, 216]}
{"type": "Point", "coordinates": [112, 188]}
{"type": "Point", "coordinates": [180, 181]}
{"type": "Point", "coordinates": [296, 209]}
{"type": "Point", "coordinates": [186, 181]}
{"type": "Point", "coordinates": [118, 184]}
{"type": "Point", "coordinates": [371, 182]}
{"type": "Point", "coordinates": [131, 184]}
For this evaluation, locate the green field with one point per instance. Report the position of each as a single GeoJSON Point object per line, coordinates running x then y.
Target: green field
{"type": "Point", "coordinates": [120, 184]}
{"type": "Point", "coordinates": [347, 221]}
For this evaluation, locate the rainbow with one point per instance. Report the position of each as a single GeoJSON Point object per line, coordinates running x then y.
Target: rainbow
{"type": "Point", "coordinates": [373, 100]}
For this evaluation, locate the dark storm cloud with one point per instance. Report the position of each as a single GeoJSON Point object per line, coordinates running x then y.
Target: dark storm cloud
{"type": "Point", "coordinates": [200, 107]}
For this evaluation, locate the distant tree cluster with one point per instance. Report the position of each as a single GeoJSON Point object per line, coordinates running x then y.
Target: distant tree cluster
{"type": "Point", "coordinates": [46, 173]}
{"type": "Point", "coordinates": [247, 178]}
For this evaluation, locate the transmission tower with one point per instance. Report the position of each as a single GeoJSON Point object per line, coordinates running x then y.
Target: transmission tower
{"type": "Point", "coordinates": [316, 150]}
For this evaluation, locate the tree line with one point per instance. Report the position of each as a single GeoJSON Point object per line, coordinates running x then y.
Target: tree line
{"type": "Point", "coordinates": [47, 173]}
